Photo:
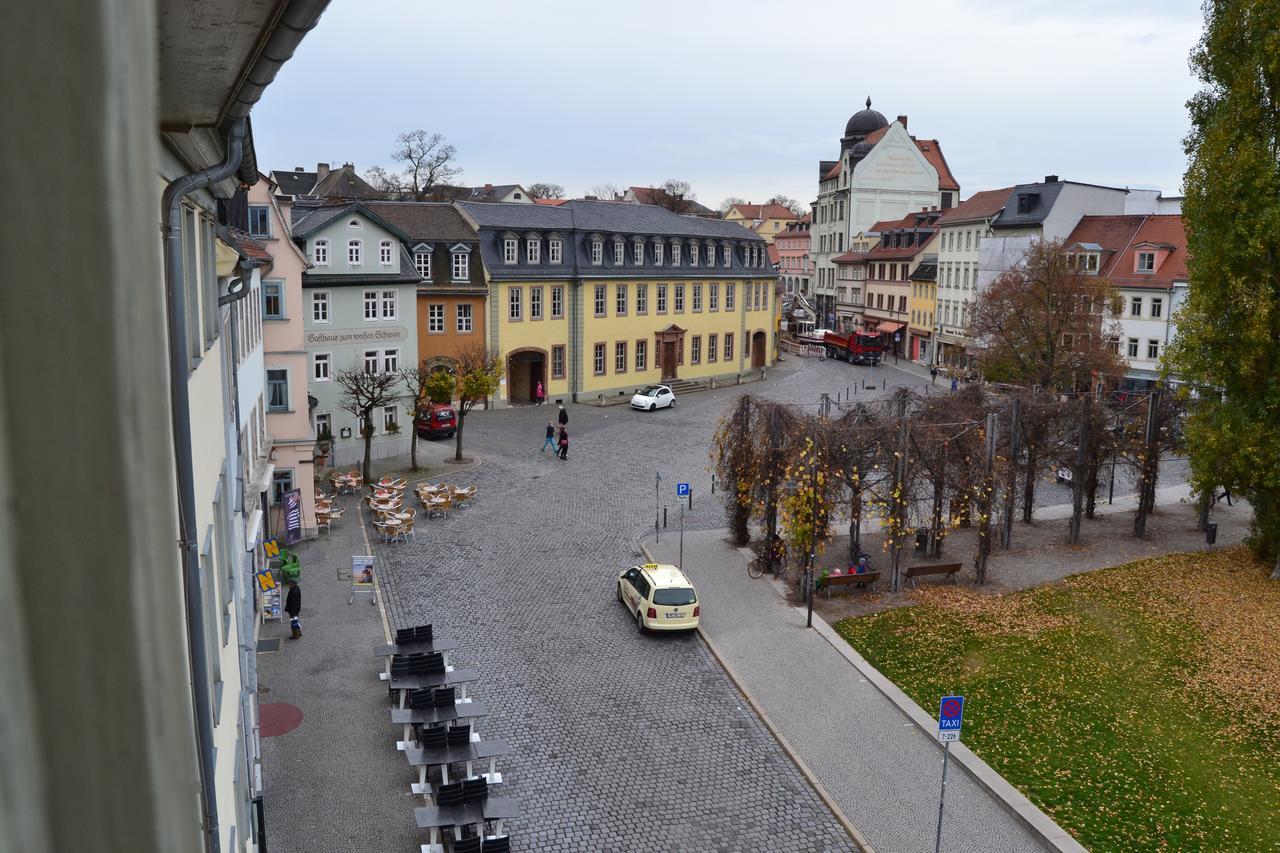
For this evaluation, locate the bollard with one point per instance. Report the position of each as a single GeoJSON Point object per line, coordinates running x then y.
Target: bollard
{"type": "Point", "coordinates": [664, 515]}
{"type": "Point", "coordinates": [690, 499]}
{"type": "Point", "coordinates": [882, 383]}
{"type": "Point", "coordinates": [713, 482]}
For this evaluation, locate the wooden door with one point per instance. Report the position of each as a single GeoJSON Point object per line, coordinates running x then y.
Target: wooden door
{"type": "Point", "coordinates": [668, 360]}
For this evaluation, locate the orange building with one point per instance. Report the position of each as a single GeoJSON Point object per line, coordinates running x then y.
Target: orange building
{"type": "Point", "coordinates": [451, 300]}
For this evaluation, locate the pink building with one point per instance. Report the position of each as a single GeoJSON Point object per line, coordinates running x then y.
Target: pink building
{"type": "Point", "coordinates": [290, 435]}
{"type": "Point", "coordinates": [794, 267]}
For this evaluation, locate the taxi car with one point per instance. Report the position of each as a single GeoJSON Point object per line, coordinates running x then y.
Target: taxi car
{"type": "Point", "coordinates": [660, 597]}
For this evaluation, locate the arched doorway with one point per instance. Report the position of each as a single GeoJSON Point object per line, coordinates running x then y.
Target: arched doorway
{"type": "Point", "coordinates": [525, 369]}
{"type": "Point", "coordinates": [759, 341]}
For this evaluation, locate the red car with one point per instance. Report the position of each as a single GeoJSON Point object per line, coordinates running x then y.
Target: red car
{"type": "Point", "coordinates": [437, 420]}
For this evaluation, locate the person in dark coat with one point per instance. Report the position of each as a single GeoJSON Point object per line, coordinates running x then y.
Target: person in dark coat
{"type": "Point", "coordinates": [564, 417]}
{"type": "Point", "coordinates": [551, 438]}
{"type": "Point", "coordinates": [564, 443]}
{"type": "Point", "coordinates": [293, 606]}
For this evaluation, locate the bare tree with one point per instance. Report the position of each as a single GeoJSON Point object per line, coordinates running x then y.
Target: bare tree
{"type": "Point", "coordinates": [364, 393]}
{"type": "Point", "coordinates": [1047, 324]}
{"type": "Point", "coordinates": [728, 204]}
{"type": "Point", "coordinates": [790, 204]}
{"type": "Point", "coordinates": [479, 369]}
{"type": "Point", "coordinates": [428, 162]}
{"type": "Point", "coordinates": [674, 195]}
{"type": "Point", "coordinates": [608, 191]}
{"type": "Point", "coordinates": [546, 191]}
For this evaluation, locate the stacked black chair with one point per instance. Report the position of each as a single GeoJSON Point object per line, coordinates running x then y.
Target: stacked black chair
{"type": "Point", "coordinates": [435, 737]}
{"type": "Point", "coordinates": [499, 844]}
{"type": "Point", "coordinates": [443, 697]}
{"type": "Point", "coordinates": [450, 795]}
{"type": "Point", "coordinates": [470, 844]}
{"type": "Point", "coordinates": [459, 735]}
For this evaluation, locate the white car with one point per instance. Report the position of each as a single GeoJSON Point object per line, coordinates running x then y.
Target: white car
{"type": "Point", "coordinates": [652, 397]}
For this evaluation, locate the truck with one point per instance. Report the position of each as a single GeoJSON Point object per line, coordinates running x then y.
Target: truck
{"type": "Point", "coordinates": [855, 347]}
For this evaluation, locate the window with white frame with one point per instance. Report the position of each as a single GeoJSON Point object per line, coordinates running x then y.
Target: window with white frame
{"type": "Point", "coordinates": [679, 297]}
{"type": "Point", "coordinates": [461, 266]}
{"type": "Point", "coordinates": [642, 299]}
{"type": "Point", "coordinates": [435, 318]}
{"type": "Point", "coordinates": [354, 248]}
{"type": "Point", "coordinates": [1146, 262]}
{"type": "Point", "coordinates": [259, 220]}
{"type": "Point", "coordinates": [389, 305]}
{"type": "Point", "coordinates": [320, 363]}
{"type": "Point", "coordinates": [320, 306]}
{"type": "Point", "coordinates": [384, 253]}
{"type": "Point", "coordinates": [324, 424]}
{"type": "Point", "coordinates": [600, 294]}
{"type": "Point", "coordinates": [1153, 349]}
{"type": "Point", "coordinates": [1135, 306]}
{"type": "Point", "coordinates": [729, 296]}
{"type": "Point", "coordinates": [713, 296]}
{"type": "Point", "coordinates": [637, 253]}
{"type": "Point", "coordinates": [642, 354]}
{"type": "Point", "coordinates": [390, 360]}
{"type": "Point", "coordinates": [320, 253]}
{"type": "Point", "coordinates": [713, 342]}
{"type": "Point", "coordinates": [675, 254]}
{"type": "Point", "coordinates": [555, 250]}
{"type": "Point", "coordinates": [281, 482]}
{"type": "Point", "coordinates": [557, 361]}
{"type": "Point", "coordinates": [422, 263]}
{"type": "Point", "coordinates": [1157, 307]}
{"type": "Point", "coordinates": [695, 351]}
{"type": "Point", "coordinates": [711, 254]}
{"type": "Point", "coordinates": [728, 346]}
{"type": "Point", "coordinates": [372, 359]}
{"type": "Point", "coordinates": [277, 390]}
{"type": "Point", "coordinates": [597, 252]}
{"type": "Point", "coordinates": [464, 318]}
{"type": "Point", "coordinates": [697, 297]}
{"type": "Point", "coordinates": [510, 250]}
{"type": "Point", "coordinates": [1132, 348]}
{"type": "Point", "coordinates": [657, 253]}
{"type": "Point", "coordinates": [390, 419]}
{"type": "Point", "coordinates": [535, 303]}
{"type": "Point", "coordinates": [273, 300]}
{"type": "Point", "coordinates": [662, 298]}
{"type": "Point", "coordinates": [620, 357]}
{"type": "Point", "coordinates": [515, 307]}
{"type": "Point", "coordinates": [693, 254]}
{"type": "Point", "coordinates": [371, 304]}
{"type": "Point", "coordinates": [533, 250]}
{"type": "Point", "coordinates": [557, 301]}
{"type": "Point", "coordinates": [597, 359]}
{"type": "Point", "coordinates": [620, 300]}
{"type": "Point", "coordinates": [353, 225]}
{"type": "Point", "coordinates": [728, 255]}
{"type": "Point", "coordinates": [619, 252]}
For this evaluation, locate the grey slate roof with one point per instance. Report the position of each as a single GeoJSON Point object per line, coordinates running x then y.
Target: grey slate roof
{"type": "Point", "coordinates": [307, 219]}
{"type": "Point", "coordinates": [425, 220]}
{"type": "Point", "coordinates": [576, 221]}
{"type": "Point", "coordinates": [294, 182]}
{"type": "Point", "coordinates": [1040, 206]}
{"type": "Point", "coordinates": [343, 182]}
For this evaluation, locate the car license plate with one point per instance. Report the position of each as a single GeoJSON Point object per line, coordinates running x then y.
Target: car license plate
{"type": "Point", "coordinates": [675, 614]}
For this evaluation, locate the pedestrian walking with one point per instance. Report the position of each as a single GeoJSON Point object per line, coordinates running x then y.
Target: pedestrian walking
{"type": "Point", "coordinates": [564, 444]}
{"type": "Point", "coordinates": [551, 438]}
{"type": "Point", "coordinates": [564, 416]}
{"type": "Point", "coordinates": [293, 606]}
{"type": "Point", "coordinates": [933, 374]}
{"type": "Point", "coordinates": [540, 394]}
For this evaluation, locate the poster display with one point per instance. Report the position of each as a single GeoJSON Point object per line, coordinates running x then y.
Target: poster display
{"type": "Point", "coordinates": [362, 577]}
{"type": "Point", "coordinates": [293, 516]}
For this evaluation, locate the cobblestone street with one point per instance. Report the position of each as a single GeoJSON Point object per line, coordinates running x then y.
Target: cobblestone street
{"type": "Point", "coordinates": [620, 741]}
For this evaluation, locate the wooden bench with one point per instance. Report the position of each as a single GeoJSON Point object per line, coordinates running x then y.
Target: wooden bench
{"type": "Point", "coordinates": [868, 578]}
{"type": "Point", "coordinates": [948, 569]}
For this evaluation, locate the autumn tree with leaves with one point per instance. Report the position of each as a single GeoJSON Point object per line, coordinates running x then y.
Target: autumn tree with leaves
{"type": "Point", "coordinates": [478, 373]}
{"type": "Point", "coordinates": [1046, 323]}
{"type": "Point", "coordinates": [426, 384]}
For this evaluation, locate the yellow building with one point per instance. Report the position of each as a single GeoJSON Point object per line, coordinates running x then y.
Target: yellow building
{"type": "Point", "coordinates": [767, 220]}
{"type": "Point", "coordinates": [921, 308]}
{"type": "Point", "coordinates": [596, 299]}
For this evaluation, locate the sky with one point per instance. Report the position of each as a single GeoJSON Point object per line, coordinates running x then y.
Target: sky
{"type": "Point", "coordinates": [741, 99]}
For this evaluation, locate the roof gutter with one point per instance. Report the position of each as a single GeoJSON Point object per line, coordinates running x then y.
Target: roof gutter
{"type": "Point", "coordinates": [180, 413]}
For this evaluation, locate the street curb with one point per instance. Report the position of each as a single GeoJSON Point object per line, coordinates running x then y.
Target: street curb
{"type": "Point", "coordinates": [860, 841]}
{"type": "Point", "coordinates": [1023, 810]}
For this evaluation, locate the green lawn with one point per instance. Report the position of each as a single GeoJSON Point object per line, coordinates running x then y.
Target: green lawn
{"type": "Point", "coordinates": [1138, 706]}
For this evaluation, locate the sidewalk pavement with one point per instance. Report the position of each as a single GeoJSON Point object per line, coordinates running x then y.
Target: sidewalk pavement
{"type": "Point", "coordinates": [334, 783]}
{"type": "Point", "coordinates": [878, 766]}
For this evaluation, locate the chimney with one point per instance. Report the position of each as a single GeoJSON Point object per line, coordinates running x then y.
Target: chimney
{"type": "Point", "coordinates": [1050, 179]}
{"type": "Point", "coordinates": [488, 187]}
{"type": "Point", "coordinates": [351, 166]}
{"type": "Point", "coordinates": [297, 168]}
{"type": "Point", "coordinates": [902, 120]}
{"type": "Point", "coordinates": [322, 171]}
{"type": "Point", "coordinates": [590, 198]}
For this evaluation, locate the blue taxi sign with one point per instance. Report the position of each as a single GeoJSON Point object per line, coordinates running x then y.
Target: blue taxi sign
{"type": "Point", "coordinates": [950, 718]}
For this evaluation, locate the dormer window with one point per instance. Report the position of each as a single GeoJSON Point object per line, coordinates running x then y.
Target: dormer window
{"type": "Point", "coordinates": [461, 255]}
{"type": "Point", "coordinates": [675, 254]}
{"type": "Point", "coordinates": [1146, 262]}
{"type": "Point", "coordinates": [638, 253]}
{"type": "Point", "coordinates": [1086, 262]}
{"type": "Point", "coordinates": [619, 253]}
{"type": "Point", "coordinates": [597, 252]}
{"type": "Point", "coordinates": [657, 253]}
{"type": "Point", "coordinates": [1027, 201]}
{"type": "Point", "coordinates": [555, 250]}
{"type": "Point", "coordinates": [533, 250]}
{"type": "Point", "coordinates": [728, 255]}
{"type": "Point", "coordinates": [510, 250]}
{"type": "Point", "coordinates": [693, 254]}
{"type": "Point", "coordinates": [422, 262]}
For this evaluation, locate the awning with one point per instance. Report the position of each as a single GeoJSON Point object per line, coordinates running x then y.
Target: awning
{"type": "Point", "coordinates": [888, 326]}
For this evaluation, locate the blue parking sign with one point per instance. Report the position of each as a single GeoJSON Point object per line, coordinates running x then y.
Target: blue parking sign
{"type": "Point", "coordinates": [682, 490]}
{"type": "Point", "coordinates": [950, 718]}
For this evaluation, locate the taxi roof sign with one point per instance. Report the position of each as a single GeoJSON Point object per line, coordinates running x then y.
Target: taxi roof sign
{"type": "Point", "coordinates": [649, 566]}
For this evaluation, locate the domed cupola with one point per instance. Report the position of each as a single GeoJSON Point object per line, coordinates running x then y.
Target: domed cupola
{"type": "Point", "coordinates": [860, 124]}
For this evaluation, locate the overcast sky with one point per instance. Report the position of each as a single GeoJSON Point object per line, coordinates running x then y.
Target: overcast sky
{"type": "Point", "coordinates": [741, 98]}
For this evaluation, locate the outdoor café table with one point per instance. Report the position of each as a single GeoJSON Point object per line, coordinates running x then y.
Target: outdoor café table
{"type": "Point", "coordinates": [410, 717]}
{"type": "Point", "coordinates": [460, 677]}
{"type": "Point", "coordinates": [491, 808]}
{"type": "Point", "coordinates": [390, 649]}
{"type": "Point", "coordinates": [423, 759]}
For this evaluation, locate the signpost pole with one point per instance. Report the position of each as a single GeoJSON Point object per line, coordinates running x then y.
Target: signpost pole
{"type": "Point", "coordinates": [682, 537]}
{"type": "Point", "coordinates": [657, 478]}
{"type": "Point", "coordinates": [946, 755]}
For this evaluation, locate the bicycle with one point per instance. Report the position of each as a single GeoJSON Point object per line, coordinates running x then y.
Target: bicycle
{"type": "Point", "coordinates": [761, 564]}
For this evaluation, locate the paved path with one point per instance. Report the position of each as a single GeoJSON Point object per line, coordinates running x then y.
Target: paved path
{"type": "Point", "coordinates": [882, 770]}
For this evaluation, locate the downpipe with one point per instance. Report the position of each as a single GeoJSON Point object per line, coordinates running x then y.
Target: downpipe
{"type": "Point", "coordinates": [180, 412]}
